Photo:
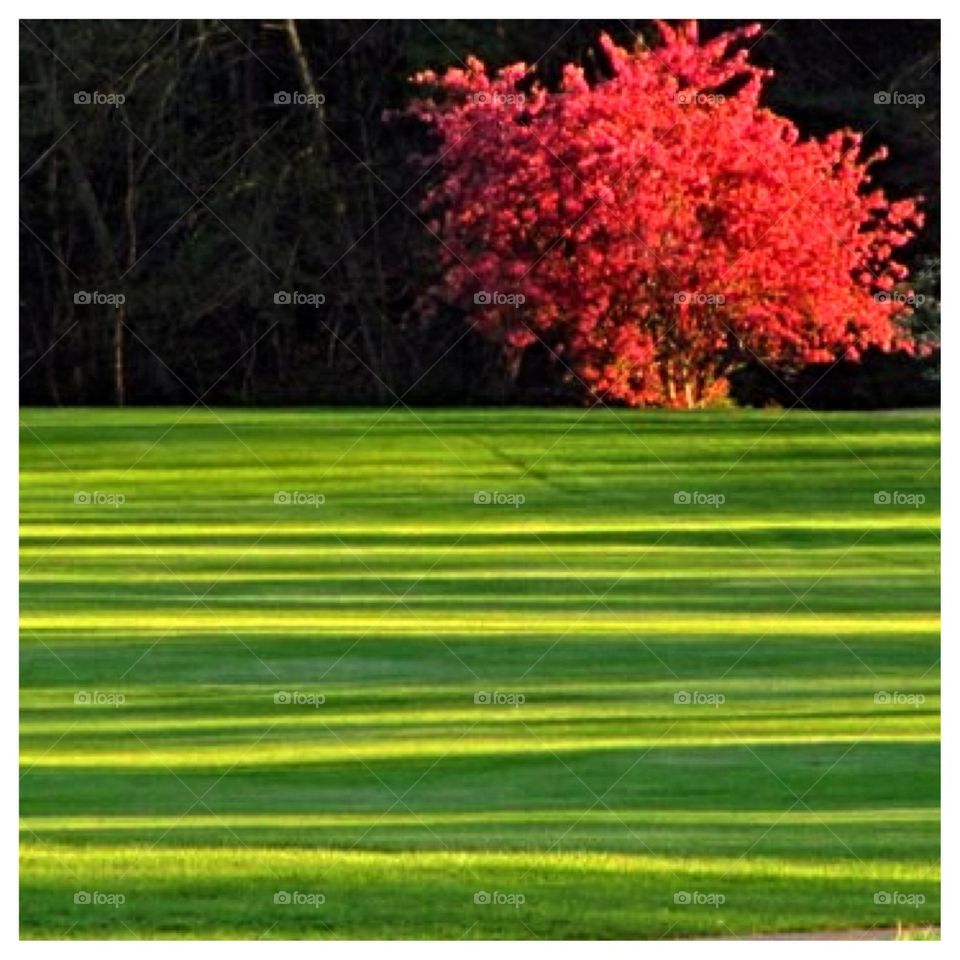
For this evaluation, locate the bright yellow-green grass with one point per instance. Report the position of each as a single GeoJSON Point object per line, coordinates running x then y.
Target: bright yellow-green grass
{"type": "Point", "coordinates": [478, 673]}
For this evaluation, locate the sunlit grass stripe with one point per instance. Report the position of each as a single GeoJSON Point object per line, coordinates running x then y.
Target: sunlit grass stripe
{"type": "Point", "coordinates": [555, 555]}
{"type": "Point", "coordinates": [400, 623]}
{"type": "Point", "coordinates": [797, 575]}
{"type": "Point", "coordinates": [491, 524]}
{"type": "Point", "coordinates": [760, 818]}
{"type": "Point", "coordinates": [47, 860]}
{"type": "Point", "coordinates": [343, 550]}
{"type": "Point", "coordinates": [273, 754]}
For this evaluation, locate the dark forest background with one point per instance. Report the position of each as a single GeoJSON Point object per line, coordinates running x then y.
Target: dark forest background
{"type": "Point", "coordinates": [199, 197]}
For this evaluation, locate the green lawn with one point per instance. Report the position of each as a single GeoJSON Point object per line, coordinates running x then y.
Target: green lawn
{"type": "Point", "coordinates": [580, 710]}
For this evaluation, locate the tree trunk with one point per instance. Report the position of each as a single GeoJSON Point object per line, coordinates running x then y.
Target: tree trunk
{"type": "Point", "coordinates": [120, 320]}
{"type": "Point", "coordinates": [118, 357]}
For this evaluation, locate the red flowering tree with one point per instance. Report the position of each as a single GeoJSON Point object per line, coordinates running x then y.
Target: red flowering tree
{"type": "Point", "coordinates": [658, 227]}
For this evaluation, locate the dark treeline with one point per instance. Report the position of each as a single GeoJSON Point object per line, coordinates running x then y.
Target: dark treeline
{"type": "Point", "coordinates": [169, 196]}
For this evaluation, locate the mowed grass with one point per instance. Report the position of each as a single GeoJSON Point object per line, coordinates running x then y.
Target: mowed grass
{"type": "Point", "coordinates": [620, 708]}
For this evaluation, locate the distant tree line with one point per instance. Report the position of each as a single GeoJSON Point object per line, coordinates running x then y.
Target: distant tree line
{"type": "Point", "coordinates": [217, 211]}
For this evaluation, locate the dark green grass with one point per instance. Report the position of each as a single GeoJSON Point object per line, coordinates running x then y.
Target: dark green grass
{"type": "Point", "coordinates": [806, 799]}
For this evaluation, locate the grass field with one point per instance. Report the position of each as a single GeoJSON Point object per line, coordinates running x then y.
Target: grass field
{"type": "Point", "coordinates": [673, 675]}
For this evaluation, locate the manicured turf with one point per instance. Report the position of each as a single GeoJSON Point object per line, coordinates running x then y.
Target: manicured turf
{"type": "Point", "coordinates": [601, 712]}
